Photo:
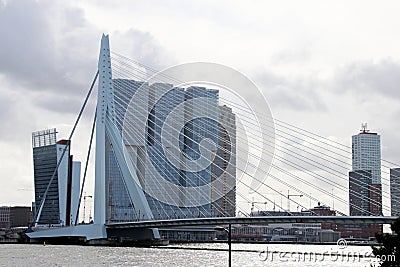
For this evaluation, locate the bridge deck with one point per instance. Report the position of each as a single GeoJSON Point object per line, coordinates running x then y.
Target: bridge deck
{"type": "Point", "coordinates": [255, 220]}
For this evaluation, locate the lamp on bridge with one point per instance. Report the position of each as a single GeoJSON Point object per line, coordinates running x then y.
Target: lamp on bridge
{"type": "Point", "coordinates": [228, 231]}
{"type": "Point", "coordinates": [288, 201]}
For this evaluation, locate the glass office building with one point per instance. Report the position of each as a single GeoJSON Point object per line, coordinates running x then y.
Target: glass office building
{"type": "Point", "coordinates": [366, 154]}
{"type": "Point", "coordinates": [365, 189]}
{"type": "Point", "coordinates": [61, 201]}
{"type": "Point", "coordinates": [223, 193]}
{"type": "Point", "coordinates": [150, 142]}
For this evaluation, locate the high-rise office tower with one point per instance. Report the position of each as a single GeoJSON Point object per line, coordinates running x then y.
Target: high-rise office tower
{"type": "Point", "coordinates": [365, 189]}
{"type": "Point", "coordinates": [366, 153]}
{"type": "Point", "coordinates": [198, 128]}
{"type": "Point", "coordinates": [395, 191]}
{"type": "Point", "coordinates": [166, 115]}
{"type": "Point", "coordinates": [151, 138]}
{"type": "Point", "coordinates": [366, 158]}
{"type": "Point", "coordinates": [223, 191]}
{"type": "Point", "coordinates": [60, 205]}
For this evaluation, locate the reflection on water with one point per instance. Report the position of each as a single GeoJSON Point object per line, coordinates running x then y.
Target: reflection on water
{"type": "Point", "coordinates": [186, 255]}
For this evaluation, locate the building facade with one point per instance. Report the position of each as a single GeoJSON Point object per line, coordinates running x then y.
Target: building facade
{"type": "Point", "coordinates": [164, 98]}
{"type": "Point", "coordinates": [196, 129]}
{"type": "Point", "coordinates": [223, 189]}
{"type": "Point", "coordinates": [359, 193]}
{"type": "Point", "coordinates": [395, 191]}
{"type": "Point", "coordinates": [286, 232]}
{"type": "Point", "coordinates": [366, 154]}
{"type": "Point", "coordinates": [15, 216]}
{"type": "Point", "coordinates": [5, 219]}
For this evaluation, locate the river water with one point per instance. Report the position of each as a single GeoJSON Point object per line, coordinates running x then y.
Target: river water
{"type": "Point", "coordinates": [215, 254]}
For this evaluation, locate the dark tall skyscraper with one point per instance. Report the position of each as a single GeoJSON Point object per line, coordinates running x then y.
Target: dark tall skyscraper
{"type": "Point", "coordinates": [395, 191]}
{"type": "Point", "coordinates": [61, 201]}
{"type": "Point", "coordinates": [359, 200]}
{"type": "Point", "coordinates": [45, 162]}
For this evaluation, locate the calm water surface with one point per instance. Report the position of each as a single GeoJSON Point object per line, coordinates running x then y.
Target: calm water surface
{"type": "Point", "coordinates": [185, 255]}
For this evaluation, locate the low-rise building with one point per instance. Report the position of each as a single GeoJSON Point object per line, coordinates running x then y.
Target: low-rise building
{"type": "Point", "coordinates": [15, 216]}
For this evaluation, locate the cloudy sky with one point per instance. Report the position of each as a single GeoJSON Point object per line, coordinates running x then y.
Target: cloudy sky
{"type": "Point", "coordinates": [325, 66]}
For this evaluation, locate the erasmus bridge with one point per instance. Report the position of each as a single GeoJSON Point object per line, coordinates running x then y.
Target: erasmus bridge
{"type": "Point", "coordinates": [170, 153]}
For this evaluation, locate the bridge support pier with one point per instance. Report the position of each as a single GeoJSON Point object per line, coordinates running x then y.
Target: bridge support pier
{"type": "Point", "coordinates": [134, 236]}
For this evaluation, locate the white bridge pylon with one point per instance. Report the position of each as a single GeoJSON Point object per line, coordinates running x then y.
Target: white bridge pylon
{"type": "Point", "coordinates": [106, 131]}
{"type": "Point", "coordinates": [106, 126]}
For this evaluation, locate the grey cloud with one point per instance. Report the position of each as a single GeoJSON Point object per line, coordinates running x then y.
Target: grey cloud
{"type": "Point", "coordinates": [35, 54]}
{"type": "Point", "coordinates": [142, 47]}
{"type": "Point", "coordinates": [380, 78]}
{"type": "Point", "coordinates": [60, 104]}
{"type": "Point", "coordinates": [390, 147]}
{"type": "Point", "coordinates": [51, 51]}
{"type": "Point", "coordinates": [293, 55]}
{"type": "Point", "coordinates": [49, 47]}
{"type": "Point", "coordinates": [295, 94]}
{"type": "Point", "coordinates": [25, 33]}
{"type": "Point", "coordinates": [27, 50]}
{"type": "Point", "coordinates": [15, 118]}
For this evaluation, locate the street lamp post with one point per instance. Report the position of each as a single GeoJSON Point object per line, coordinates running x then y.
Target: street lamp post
{"type": "Point", "coordinates": [229, 232]}
{"type": "Point", "coordinates": [288, 197]}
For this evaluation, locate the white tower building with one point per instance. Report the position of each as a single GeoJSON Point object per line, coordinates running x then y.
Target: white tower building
{"type": "Point", "coordinates": [366, 153]}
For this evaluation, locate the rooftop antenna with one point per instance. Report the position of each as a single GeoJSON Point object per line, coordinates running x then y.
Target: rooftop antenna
{"type": "Point", "coordinates": [364, 127]}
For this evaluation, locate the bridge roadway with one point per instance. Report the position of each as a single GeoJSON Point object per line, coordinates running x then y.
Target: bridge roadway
{"type": "Point", "coordinates": [253, 220]}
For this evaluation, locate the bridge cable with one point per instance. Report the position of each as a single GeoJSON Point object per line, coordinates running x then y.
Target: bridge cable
{"type": "Point", "coordinates": [65, 148]}
{"type": "Point", "coordinates": [86, 167]}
